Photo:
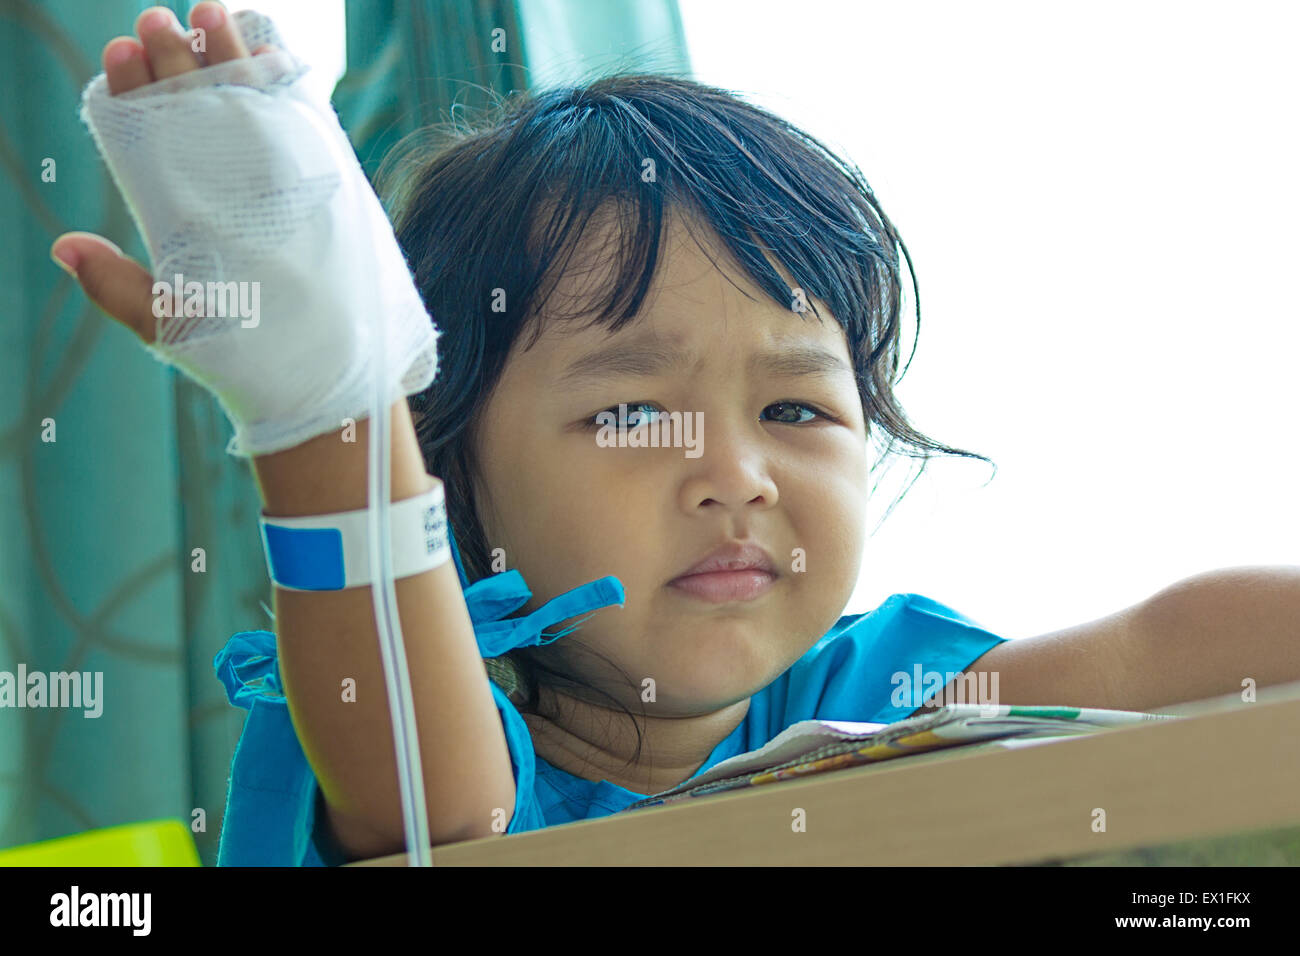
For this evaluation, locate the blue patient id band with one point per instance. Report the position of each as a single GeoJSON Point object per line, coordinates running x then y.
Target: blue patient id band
{"type": "Point", "coordinates": [331, 552]}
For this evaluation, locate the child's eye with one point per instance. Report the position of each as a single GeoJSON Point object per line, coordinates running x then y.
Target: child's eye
{"type": "Point", "coordinates": [807, 408]}
{"type": "Point", "coordinates": [636, 418]}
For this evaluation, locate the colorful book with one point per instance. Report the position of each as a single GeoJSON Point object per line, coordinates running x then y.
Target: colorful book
{"type": "Point", "coordinates": [819, 746]}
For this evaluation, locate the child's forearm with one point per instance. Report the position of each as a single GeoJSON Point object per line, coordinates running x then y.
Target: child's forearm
{"type": "Point", "coordinates": [1201, 637]}
{"type": "Point", "coordinates": [326, 637]}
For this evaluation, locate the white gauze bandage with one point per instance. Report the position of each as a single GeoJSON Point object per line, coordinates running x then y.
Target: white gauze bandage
{"type": "Point", "coordinates": [241, 181]}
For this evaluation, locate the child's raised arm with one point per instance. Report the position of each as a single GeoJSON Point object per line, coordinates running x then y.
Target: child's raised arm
{"type": "Point", "coordinates": [323, 637]}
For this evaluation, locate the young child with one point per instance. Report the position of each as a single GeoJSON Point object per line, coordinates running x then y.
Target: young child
{"type": "Point", "coordinates": [701, 271]}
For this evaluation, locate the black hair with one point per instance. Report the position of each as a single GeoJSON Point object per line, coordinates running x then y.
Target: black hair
{"type": "Point", "coordinates": [501, 204]}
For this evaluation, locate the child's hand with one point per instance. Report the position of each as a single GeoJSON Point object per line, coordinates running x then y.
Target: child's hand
{"type": "Point", "coordinates": [117, 284]}
{"type": "Point", "coordinates": [275, 273]}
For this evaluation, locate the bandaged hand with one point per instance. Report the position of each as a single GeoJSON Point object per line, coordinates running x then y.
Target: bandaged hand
{"type": "Point", "coordinates": [274, 266]}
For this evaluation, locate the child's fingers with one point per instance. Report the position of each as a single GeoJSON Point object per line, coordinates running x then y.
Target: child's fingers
{"type": "Point", "coordinates": [222, 39]}
{"type": "Point", "coordinates": [168, 46]}
{"type": "Point", "coordinates": [118, 285]}
{"type": "Point", "coordinates": [126, 65]}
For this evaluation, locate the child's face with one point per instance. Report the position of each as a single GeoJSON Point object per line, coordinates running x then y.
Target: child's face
{"type": "Point", "coordinates": [566, 510]}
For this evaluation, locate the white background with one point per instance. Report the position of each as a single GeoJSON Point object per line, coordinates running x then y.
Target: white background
{"type": "Point", "coordinates": [1101, 203]}
{"type": "Point", "coordinates": [313, 30]}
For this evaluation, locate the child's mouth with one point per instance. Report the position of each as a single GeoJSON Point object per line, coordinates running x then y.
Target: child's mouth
{"type": "Point", "coordinates": [722, 586]}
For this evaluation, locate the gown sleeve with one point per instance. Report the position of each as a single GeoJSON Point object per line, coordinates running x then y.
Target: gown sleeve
{"type": "Point", "coordinates": [879, 666]}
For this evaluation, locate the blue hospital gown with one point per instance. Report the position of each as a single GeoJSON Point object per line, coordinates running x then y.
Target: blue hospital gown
{"type": "Point", "coordinates": [273, 801]}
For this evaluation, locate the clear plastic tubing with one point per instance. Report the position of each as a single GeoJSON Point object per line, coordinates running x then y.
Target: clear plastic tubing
{"type": "Point", "coordinates": [410, 771]}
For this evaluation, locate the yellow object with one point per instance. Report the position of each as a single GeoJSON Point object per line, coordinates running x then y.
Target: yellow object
{"type": "Point", "coordinates": [154, 843]}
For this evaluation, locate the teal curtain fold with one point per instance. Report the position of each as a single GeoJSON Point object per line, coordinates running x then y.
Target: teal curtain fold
{"type": "Point", "coordinates": [571, 41]}
{"type": "Point", "coordinates": [113, 470]}
{"type": "Point", "coordinates": [412, 63]}
{"type": "Point", "coordinates": [416, 62]}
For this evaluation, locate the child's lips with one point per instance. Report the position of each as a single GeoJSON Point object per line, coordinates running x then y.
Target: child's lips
{"type": "Point", "coordinates": [718, 587]}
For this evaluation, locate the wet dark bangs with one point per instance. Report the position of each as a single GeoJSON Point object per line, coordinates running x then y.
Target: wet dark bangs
{"type": "Point", "coordinates": [492, 214]}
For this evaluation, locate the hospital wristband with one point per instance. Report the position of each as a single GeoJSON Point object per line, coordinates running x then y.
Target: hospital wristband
{"type": "Point", "coordinates": [331, 552]}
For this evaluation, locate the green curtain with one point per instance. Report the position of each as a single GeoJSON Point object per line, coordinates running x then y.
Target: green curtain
{"type": "Point", "coordinates": [112, 466]}
{"type": "Point", "coordinates": [416, 62]}
{"type": "Point", "coordinates": [113, 470]}
{"type": "Point", "coordinates": [572, 40]}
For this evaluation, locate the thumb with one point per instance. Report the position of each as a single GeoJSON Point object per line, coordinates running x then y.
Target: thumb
{"type": "Point", "coordinates": [118, 285]}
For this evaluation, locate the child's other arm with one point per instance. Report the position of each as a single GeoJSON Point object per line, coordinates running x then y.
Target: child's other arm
{"type": "Point", "coordinates": [1203, 636]}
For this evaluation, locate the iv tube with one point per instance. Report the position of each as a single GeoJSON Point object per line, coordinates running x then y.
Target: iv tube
{"type": "Point", "coordinates": [410, 771]}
